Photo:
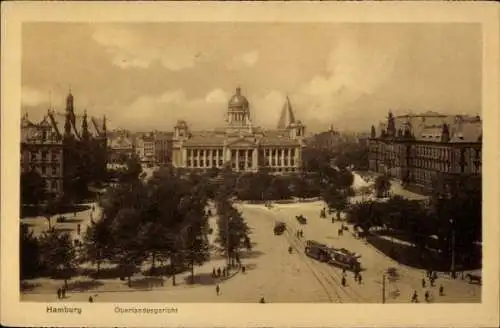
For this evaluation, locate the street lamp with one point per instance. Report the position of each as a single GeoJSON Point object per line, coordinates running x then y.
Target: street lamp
{"type": "Point", "coordinates": [383, 288]}
{"type": "Point", "coordinates": [227, 241]}
{"type": "Point", "coordinates": [452, 269]}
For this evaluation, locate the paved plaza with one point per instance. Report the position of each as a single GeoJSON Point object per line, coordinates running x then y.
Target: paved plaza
{"type": "Point", "coordinates": [273, 273]}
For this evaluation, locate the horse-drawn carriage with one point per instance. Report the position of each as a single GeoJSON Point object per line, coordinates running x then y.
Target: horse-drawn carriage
{"type": "Point", "coordinates": [302, 219]}
{"type": "Point", "coordinates": [474, 278]}
{"type": "Point", "coordinates": [279, 228]}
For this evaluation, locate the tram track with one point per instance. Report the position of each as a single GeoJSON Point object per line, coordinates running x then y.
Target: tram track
{"type": "Point", "coordinates": [324, 280]}
{"type": "Point", "coordinates": [331, 276]}
{"type": "Point", "coordinates": [322, 272]}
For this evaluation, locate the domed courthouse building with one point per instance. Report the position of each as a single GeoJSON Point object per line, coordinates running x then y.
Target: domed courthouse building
{"type": "Point", "coordinates": [240, 144]}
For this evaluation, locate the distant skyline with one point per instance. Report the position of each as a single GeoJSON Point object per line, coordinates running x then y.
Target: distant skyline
{"type": "Point", "coordinates": [146, 76]}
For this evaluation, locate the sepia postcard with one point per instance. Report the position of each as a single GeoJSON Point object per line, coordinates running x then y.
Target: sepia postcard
{"type": "Point", "coordinates": [250, 164]}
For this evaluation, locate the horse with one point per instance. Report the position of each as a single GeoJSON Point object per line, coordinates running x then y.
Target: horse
{"type": "Point", "coordinates": [474, 278]}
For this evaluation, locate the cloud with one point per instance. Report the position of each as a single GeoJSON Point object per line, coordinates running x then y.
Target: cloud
{"type": "Point", "coordinates": [205, 112]}
{"type": "Point", "coordinates": [217, 96]}
{"type": "Point", "coordinates": [354, 70]}
{"type": "Point", "coordinates": [266, 108]}
{"type": "Point", "coordinates": [31, 97]}
{"type": "Point", "coordinates": [128, 49]}
{"type": "Point", "coordinates": [163, 110]}
{"type": "Point", "coordinates": [247, 59]}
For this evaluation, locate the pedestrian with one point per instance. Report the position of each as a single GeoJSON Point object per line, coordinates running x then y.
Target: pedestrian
{"type": "Point", "coordinates": [414, 297]}
{"type": "Point", "coordinates": [91, 299]}
{"type": "Point", "coordinates": [243, 269]}
{"type": "Point", "coordinates": [217, 289]}
{"type": "Point", "coordinates": [59, 293]}
{"type": "Point", "coordinates": [423, 282]}
{"type": "Point", "coordinates": [262, 300]}
{"type": "Point", "coordinates": [218, 272]}
{"type": "Point", "coordinates": [427, 296]}
{"type": "Point", "coordinates": [224, 272]}
{"type": "Point", "coordinates": [343, 281]}
{"type": "Point", "coordinates": [78, 228]}
{"type": "Point", "coordinates": [441, 290]}
{"type": "Point", "coordinates": [213, 273]}
{"type": "Point", "coordinates": [431, 280]}
{"type": "Point", "coordinates": [343, 272]}
{"type": "Point", "coordinates": [63, 292]}
{"type": "Point", "coordinates": [360, 279]}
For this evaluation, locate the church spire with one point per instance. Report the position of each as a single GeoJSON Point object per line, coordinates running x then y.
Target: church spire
{"type": "Point", "coordinates": [391, 125]}
{"type": "Point", "coordinates": [85, 126]}
{"type": "Point", "coordinates": [104, 128]}
{"type": "Point", "coordinates": [69, 102]}
{"type": "Point", "coordinates": [67, 125]}
{"type": "Point", "coordinates": [287, 117]}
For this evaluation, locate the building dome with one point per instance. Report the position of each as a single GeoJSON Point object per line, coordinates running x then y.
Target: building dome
{"type": "Point", "coordinates": [238, 100]}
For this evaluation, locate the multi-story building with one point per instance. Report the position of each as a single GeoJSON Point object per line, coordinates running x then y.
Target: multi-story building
{"type": "Point", "coordinates": [64, 148]}
{"type": "Point", "coordinates": [240, 144]}
{"type": "Point", "coordinates": [427, 150]}
{"type": "Point", "coordinates": [120, 146]}
{"type": "Point", "coordinates": [163, 147]}
{"type": "Point", "coordinates": [327, 140]}
{"type": "Point", "coordinates": [145, 148]}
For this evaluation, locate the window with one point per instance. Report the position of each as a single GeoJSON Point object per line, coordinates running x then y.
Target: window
{"type": "Point", "coordinates": [33, 156]}
{"type": "Point", "coordinates": [44, 170]}
{"type": "Point", "coordinates": [54, 170]}
{"type": "Point", "coordinates": [188, 163]}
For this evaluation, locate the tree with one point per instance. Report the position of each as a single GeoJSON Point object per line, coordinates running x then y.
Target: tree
{"type": "Point", "coordinates": [382, 186]}
{"type": "Point", "coordinates": [58, 255]}
{"type": "Point", "coordinates": [29, 253]}
{"type": "Point", "coordinates": [363, 215]}
{"type": "Point", "coordinates": [96, 242]}
{"type": "Point", "coordinates": [134, 169]}
{"type": "Point", "coordinates": [50, 208]}
{"type": "Point", "coordinates": [233, 230]}
{"type": "Point", "coordinates": [335, 199]}
{"type": "Point", "coordinates": [128, 252]}
{"type": "Point", "coordinates": [459, 213]}
{"type": "Point", "coordinates": [33, 190]}
{"type": "Point", "coordinates": [195, 245]}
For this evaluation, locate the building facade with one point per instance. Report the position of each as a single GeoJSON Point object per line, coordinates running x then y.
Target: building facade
{"type": "Point", "coordinates": [121, 146]}
{"type": "Point", "coordinates": [145, 148]}
{"type": "Point", "coordinates": [240, 144]}
{"type": "Point", "coordinates": [327, 140]}
{"type": "Point", "coordinates": [427, 151]}
{"type": "Point", "coordinates": [163, 147]}
{"type": "Point", "coordinates": [64, 148]}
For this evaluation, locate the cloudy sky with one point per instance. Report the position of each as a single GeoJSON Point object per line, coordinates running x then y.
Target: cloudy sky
{"type": "Point", "coordinates": [147, 76]}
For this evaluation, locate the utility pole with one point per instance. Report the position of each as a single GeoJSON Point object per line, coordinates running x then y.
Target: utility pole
{"type": "Point", "coordinates": [383, 289]}
{"type": "Point", "coordinates": [452, 269]}
{"type": "Point", "coordinates": [227, 241]}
